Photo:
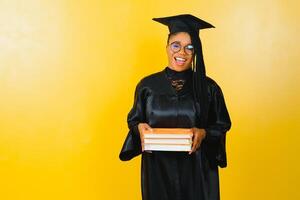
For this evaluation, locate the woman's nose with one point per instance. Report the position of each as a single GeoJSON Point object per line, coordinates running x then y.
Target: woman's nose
{"type": "Point", "coordinates": [181, 51]}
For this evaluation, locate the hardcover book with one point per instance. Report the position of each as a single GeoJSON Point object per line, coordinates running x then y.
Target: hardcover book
{"type": "Point", "coordinates": [168, 139]}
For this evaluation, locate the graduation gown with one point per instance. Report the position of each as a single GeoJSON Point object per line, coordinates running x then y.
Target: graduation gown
{"type": "Point", "coordinates": [177, 175]}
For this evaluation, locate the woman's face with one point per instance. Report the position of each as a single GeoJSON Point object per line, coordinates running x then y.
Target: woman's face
{"type": "Point", "coordinates": [181, 60]}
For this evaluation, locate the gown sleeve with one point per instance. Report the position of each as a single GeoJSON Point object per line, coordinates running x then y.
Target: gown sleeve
{"type": "Point", "coordinates": [218, 124]}
{"type": "Point", "coordinates": [132, 144]}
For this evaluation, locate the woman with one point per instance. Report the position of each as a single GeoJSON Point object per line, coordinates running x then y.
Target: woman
{"type": "Point", "coordinates": [180, 96]}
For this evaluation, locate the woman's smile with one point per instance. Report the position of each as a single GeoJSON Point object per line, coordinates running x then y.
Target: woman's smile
{"type": "Point", "coordinates": [179, 61]}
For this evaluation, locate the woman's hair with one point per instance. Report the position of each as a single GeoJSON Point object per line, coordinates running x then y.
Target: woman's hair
{"type": "Point", "coordinates": [173, 34]}
{"type": "Point", "coordinates": [170, 35]}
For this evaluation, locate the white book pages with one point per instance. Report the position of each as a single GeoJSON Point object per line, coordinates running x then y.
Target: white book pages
{"type": "Point", "coordinates": [167, 135]}
{"type": "Point", "coordinates": [168, 141]}
{"type": "Point", "coordinates": [161, 147]}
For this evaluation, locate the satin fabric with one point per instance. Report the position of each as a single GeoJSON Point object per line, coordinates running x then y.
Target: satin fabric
{"type": "Point", "coordinates": [177, 175]}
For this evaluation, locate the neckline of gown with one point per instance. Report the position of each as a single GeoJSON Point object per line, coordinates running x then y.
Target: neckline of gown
{"type": "Point", "coordinates": [186, 75]}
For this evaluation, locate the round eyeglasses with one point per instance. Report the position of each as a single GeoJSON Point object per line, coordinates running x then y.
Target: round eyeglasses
{"type": "Point", "coordinates": [176, 47]}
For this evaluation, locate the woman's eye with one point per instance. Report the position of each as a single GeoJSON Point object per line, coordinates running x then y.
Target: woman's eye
{"type": "Point", "coordinates": [190, 47]}
{"type": "Point", "coordinates": [176, 45]}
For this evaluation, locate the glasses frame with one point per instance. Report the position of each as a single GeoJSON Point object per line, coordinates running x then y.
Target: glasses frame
{"type": "Point", "coordinates": [186, 49]}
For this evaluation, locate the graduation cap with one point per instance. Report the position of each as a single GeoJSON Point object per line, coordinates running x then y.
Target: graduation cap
{"type": "Point", "coordinates": [191, 24]}
{"type": "Point", "coordinates": [184, 23]}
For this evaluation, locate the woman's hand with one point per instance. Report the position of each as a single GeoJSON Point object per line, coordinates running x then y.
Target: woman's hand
{"type": "Point", "coordinates": [143, 127]}
{"type": "Point", "coordinates": [198, 136]}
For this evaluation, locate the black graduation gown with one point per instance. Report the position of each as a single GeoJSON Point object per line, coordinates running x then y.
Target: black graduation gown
{"type": "Point", "coordinates": [177, 175]}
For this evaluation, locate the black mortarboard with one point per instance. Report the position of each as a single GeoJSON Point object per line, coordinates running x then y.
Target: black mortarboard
{"type": "Point", "coordinates": [184, 23]}
{"type": "Point", "coordinates": [191, 24]}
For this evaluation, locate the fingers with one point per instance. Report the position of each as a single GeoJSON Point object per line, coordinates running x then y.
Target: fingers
{"type": "Point", "coordinates": [196, 143]}
{"type": "Point", "coordinates": [197, 139]}
{"type": "Point", "coordinates": [147, 127]}
{"type": "Point", "coordinates": [142, 140]}
{"type": "Point", "coordinates": [143, 127]}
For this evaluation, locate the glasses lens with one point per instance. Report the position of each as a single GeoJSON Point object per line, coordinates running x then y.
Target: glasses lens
{"type": "Point", "coordinates": [189, 49]}
{"type": "Point", "coordinates": [175, 47]}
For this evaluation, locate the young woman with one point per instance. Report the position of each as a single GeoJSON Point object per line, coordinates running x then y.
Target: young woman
{"type": "Point", "coordinates": [180, 96]}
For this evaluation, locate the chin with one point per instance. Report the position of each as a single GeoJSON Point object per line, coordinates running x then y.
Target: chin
{"type": "Point", "coordinates": [180, 68]}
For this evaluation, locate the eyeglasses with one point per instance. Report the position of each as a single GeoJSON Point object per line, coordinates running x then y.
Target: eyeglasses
{"type": "Point", "coordinates": [176, 47]}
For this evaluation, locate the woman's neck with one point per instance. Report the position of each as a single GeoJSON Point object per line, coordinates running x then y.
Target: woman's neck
{"type": "Point", "coordinates": [173, 74]}
{"type": "Point", "coordinates": [181, 70]}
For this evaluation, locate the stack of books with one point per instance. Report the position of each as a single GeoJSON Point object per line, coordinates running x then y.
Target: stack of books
{"type": "Point", "coordinates": [168, 139]}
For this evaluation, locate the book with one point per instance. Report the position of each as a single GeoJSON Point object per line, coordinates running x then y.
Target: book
{"type": "Point", "coordinates": [166, 135]}
{"type": "Point", "coordinates": [166, 147]}
{"type": "Point", "coordinates": [168, 139]}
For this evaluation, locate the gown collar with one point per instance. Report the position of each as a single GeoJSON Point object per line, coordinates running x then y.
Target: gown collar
{"type": "Point", "coordinates": [185, 75]}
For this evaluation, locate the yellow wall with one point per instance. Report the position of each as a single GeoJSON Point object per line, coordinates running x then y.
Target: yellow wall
{"type": "Point", "coordinates": [68, 70]}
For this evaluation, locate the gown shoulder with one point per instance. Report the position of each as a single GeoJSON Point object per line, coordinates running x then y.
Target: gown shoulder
{"type": "Point", "coordinates": [212, 84]}
{"type": "Point", "coordinates": [151, 79]}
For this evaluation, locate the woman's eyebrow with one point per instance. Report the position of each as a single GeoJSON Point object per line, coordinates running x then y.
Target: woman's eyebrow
{"type": "Point", "coordinates": [180, 42]}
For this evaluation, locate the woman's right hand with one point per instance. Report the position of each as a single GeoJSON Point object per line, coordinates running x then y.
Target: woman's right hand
{"type": "Point", "coordinates": [142, 128]}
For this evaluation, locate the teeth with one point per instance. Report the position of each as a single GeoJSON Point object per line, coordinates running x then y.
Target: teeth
{"type": "Point", "coordinates": [180, 59]}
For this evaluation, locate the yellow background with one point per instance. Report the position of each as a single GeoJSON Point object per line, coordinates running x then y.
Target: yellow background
{"type": "Point", "coordinates": [68, 70]}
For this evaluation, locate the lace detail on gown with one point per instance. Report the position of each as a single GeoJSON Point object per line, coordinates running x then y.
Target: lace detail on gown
{"type": "Point", "coordinates": [177, 84]}
{"type": "Point", "coordinates": [178, 79]}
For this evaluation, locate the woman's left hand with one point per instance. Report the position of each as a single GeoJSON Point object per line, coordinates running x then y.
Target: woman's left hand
{"type": "Point", "coordinates": [198, 136]}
